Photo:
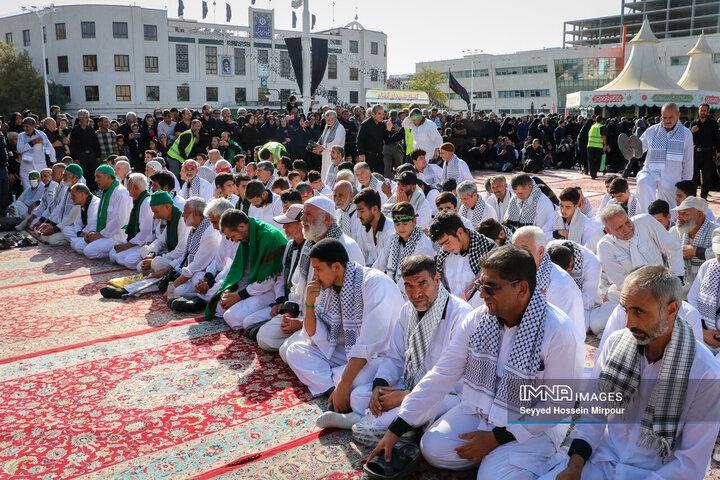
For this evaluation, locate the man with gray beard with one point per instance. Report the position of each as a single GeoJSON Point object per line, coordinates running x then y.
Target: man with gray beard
{"type": "Point", "coordinates": [694, 232]}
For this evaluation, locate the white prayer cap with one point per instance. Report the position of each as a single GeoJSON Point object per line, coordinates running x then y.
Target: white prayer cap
{"type": "Point", "coordinates": [155, 165]}
{"type": "Point", "coordinates": [716, 241]}
{"type": "Point", "coordinates": [699, 204]}
{"type": "Point", "coordinates": [323, 203]}
{"type": "Point", "coordinates": [293, 214]}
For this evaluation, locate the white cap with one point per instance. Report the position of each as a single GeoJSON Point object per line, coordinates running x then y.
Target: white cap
{"type": "Point", "coordinates": [293, 214]}
{"type": "Point", "coordinates": [323, 203]}
{"type": "Point", "coordinates": [699, 204]}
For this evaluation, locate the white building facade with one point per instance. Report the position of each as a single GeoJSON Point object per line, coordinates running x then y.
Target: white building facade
{"type": "Point", "coordinates": [540, 79]}
{"type": "Point", "coordinates": [113, 59]}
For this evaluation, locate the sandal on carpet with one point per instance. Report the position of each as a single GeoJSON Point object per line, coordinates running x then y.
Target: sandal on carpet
{"type": "Point", "coordinates": [182, 304]}
{"type": "Point", "coordinates": [26, 242]}
{"type": "Point", "coordinates": [404, 461]}
{"type": "Point", "coordinates": [112, 291]}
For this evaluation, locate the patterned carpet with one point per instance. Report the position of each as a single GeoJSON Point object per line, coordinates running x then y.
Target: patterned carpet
{"type": "Point", "coordinates": [104, 389]}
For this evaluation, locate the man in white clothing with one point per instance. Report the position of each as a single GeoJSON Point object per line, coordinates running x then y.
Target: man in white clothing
{"type": "Point", "coordinates": [517, 337]}
{"type": "Point", "coordinates": [570, 222]}
{"type": "Point", "coordinates": [420, 335]}
{"type": "Point", "coordinates": [408, 191]}
{"type": "Point", "coordinates": [668, 383]}
{"type": "Point", "coordinates": [378, 229]}
{"type": "Point", "coordinates": [45, 209]}
{"type": "Point", "coordinates": [452, 167]}
{"type": "Point", "coordinates": [195, 186]}
{"type": "Point", "coordinates": [422, 134]}
{"type": "Point", "coordinates": [348, 316]}
{"type": "Point", "coordinates": [33, 145]}
{"type": "Point", "coordinates": [365, 179]}
{"type": "Point", "coordinates": [705, 296]}
{"type": "Point", "coordinates": [670, 158]}
{"type": "Point", "coordinates": [64, 213]}
{"type": "Point", "coordinates": [501, 195]}
{"type": "Point", "coordinates": [333, 134]}
{"type": "Point", "coordinates": [473, 207]}
{"type": "Point", "coordinates": [555, 283]}
{"type": "Point", "coordinates": [529, 206]}
{"type": "Point", "coordinates": [347, 218]}
{"type": "Point", "coordinates": [113, 214]}
{"type": "Point", "coordinates": [87, 203]}
{"type": "Point", "coordinates": [28, 200]}
{"type": "Point", "coordinates": [139, 229]}
{"type": "Point", "coordinates": [264, 204]}
{"type": "Point", "coordinates": [429, 173]}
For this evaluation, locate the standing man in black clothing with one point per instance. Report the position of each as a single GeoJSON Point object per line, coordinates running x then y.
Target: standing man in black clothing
{"type": "Point", "coordinates": [706, 138]}
{"type": "Point", "coordinates": [372, 136]}
{"type": "Point", "coordinates": [183, 124]}
{"type": "Point", "coordinates": [85, 148]}
{"type": "Point", "coordinates": [209, 127]}
{"type": "Point", "coordinates": [351, 131]}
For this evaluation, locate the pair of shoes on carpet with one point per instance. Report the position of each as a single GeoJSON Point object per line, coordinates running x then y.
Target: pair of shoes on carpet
{"type": "Point", "coordinates": [111, 291]}
{"type": "Point", "coordinates": [182, 304]}
{"type": "Point", "coordinates": [16, 240]}
{"type": "Point", "coordinates": [403, 461]}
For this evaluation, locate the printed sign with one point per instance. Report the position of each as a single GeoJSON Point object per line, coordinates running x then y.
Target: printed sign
{"type": "Point", "coordinates": [262, 23]}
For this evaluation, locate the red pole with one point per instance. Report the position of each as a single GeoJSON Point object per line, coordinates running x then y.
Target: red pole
{"type": "Point", "coordinates": [624, 36]}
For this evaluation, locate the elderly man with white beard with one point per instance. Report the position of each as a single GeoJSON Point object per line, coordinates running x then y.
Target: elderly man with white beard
{"type": "Point", "coordinates": [694, 232]}
{"type": "Point", "coordinates": [347, 217]}
{"type": "Point", "coordinates": [333, 135]}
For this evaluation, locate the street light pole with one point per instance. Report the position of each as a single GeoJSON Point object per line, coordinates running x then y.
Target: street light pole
{"type": "Point", "coordinates": [305, 42]}
{"type": "Point", "coordinates": [473, 51]}
{"type": "Point", "coordinates": [40, 12]}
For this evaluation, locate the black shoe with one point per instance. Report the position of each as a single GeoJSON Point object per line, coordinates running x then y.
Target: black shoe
{"type": "Point", "coordinates": [112, 291]}
{"type": "Point", "coordinates": [188, 304]}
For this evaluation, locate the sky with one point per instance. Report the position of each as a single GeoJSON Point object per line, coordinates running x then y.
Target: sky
{"type": "Point", "coordinates": [418, 30]}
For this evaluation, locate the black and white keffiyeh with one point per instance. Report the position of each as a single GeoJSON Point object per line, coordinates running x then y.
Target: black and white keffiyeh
{"type": "Point", "coordinates": [477, 213]}
{"type": "Point", "coordinates": [521, 212]}
{"type": "Point", "coordinates": [480, 245]}
{"type": "Point", "coordinates": [622, 374]}
{"type": "Point", "coordinates": [343, 310]}
{"type": "Point", "coordinates": [395, 259]}
{"type": "Point", "coordinates": [665, 145]}
{"type": "Point", "coordinates": [451, 169]}
{"type": "Point", "coordinates": [420, 332]}
{"type": "Point", "coordinates": [328, 134]}
{"type": "Point", "coordinates": [523, 361]}
{"type": "Point", "coordinates": [193, 241]}
{"type": "Point", "coordinates": [543, 273]}
{"type": "Point", "coordinates": [708, 295]}
{"type": "Point", "coordinates": [345, 219]}
{"type": "Point", "coordinates": [304, 262]}
{"type": "Point", "coordinates": [270, 181]}
{"type": "Point", "coordinates": [632, 207]}
{"type": "Point", "coordinates": [374, 183]}
{"type": "Point", "coordinates": [703, 237]}
{"type": "Point", "coordinates": [577, 270]}
{"type": "Point", "coordinates": [576, 227]}
{"type": "Point", "coordinates": [194, 187]}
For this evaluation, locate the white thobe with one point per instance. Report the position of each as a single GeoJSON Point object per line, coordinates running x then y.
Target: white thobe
{"type": "Point", "coordinates": [131, 257]}
{"type": "Point", "coordinates": [423, 247]}
{"type": "Point", "coordinates": [163, 258]}
{"type": "Point", "coordinates": [588, 228]}
{"type": "Point", "coordinates": [535, 442]}
{"type": "Point", "coordinates": [616, 453]}
{"type": "Point", "coordinates": [589, 279]}
{"type": "Point", "coordinates": [563, 292]}
{"type": "Point", "coordinates": [319, 366]}
{"type": "Point", "coordinates": [392, 366]}
{"type": "Point", "coordinates": [692, 297]}
{"type": "Point", "coordinates": [71, 231]}
{"type": "Point", "coordinates": [207, 190]}
{"type": "Point", "coordinates": [371, 243]}
{"type": "Point", "coordinates": [457, 273]}
{"type": "Point", "coordinates": [268, 211]}
{"type": "Point", "coordinates": [424, 212]}
{"type": "Point", "coordinates": [33, 156]}
{"type": "Point", "coordinates": [463, 172]}
{"type": "Point", "coordinates": [432, 175]}
{"type": "Point", "coordinates": [425, 136]}
{"type": "Point", "coordinates": [29, 196]}
{"type": "Point", "coordinates": [338, 140]}
{"type": "Point", "coordinates": [500, 206]}
{"type": "Point", "coordinates": [650, 245]}
{"type": "Point", "coordinates": [118, 213]}
{"type": "Point", "coordinates": [51, 199]}
{"type": "Point", "coordinates": [355, 224]}
{"type": "Point", "coordinates": [692, 265]}
{"type": "Point", "coordinates": [488, 212]}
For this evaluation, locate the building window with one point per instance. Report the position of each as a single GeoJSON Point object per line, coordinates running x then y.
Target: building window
{"type": "Point", "coordinates": [122, 63]}
{"type": "Point", "coordinates": [87, 29]}
{"type": "Point", "coordinates": [63, 64]}
{"type": "Point", "coordinates": [332, 96]}
{"type": "Point", "coordinates": [120, 30]}
{"type": "Point", "coordinates": [385, 50]}
{"type": "Point", "coordinates": [211, 94]}
{"type": "Point", "coordinates": [681, 60]}
{"type": "Point", "coordinates": [211, 60]}
{"type": "Point", "coordinates": [122, 93]}
{"type": "Point", "coordinates": [60, 32]}
{"type": "Point", "coordinates": [151, 64]}
{"type": "Point", "coordinates": [332, 67]}
{"type": "Point", "coordinates": [150, 33]}
{"type": "Point", "coordinates": [373, 75]}
{"type": "Point", "coordinates": [92, 93]}
{"type": "Point", "coordinates": [44, 35]}
{"type": "Point", "coordinates": [354, 96]}
{"type": "Point", "coordinates": [373, 48]}
{"type": "Point", "coordinates": [523, 93]}
{"type": "Point", "coordinates": [182, 64]}
{"type": "Point", "coordinates": [354, 46]}
{"type": "Point", "coordinates": [26, 38]}
{"type": "Point", "coordinates": [286, 70]}
{"type": "Point", "coordinates": [66, 91]}
{"type": "Point", "coordinates": [90, 63]}
{"type": "Point", "coordinates": [263, 57]}
{"type": "Point", "coordinates": [528, 69]}
{"type": "Point", "coordinates": [239, 54]}
{"type": "Point", "coordinates": [183, 94]}
{"type": "Point", "coordinates": [482, 94]}
{"type": "Point", "coordinates": [47, 66]}
{"type": "Point", "coordinates": [8, 38]}
{"type": "Point", "coordinates": [353, 73]}
{"type": "Point", "coordinates": [152, 92]}
{"type": "Point", "coordinates": [240, 95]}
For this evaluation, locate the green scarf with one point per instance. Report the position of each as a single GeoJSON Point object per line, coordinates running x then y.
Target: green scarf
{"type": "Point", "coordinates": [171, 230]}
{"type": "Point", "coordinates": [264, 250]}
{"type": "Point", "coordinates": [104, 203]}
{"type": "Point", "coordinates": [243, 205]}
{"type": "Point", "coordinates": [133, 226]}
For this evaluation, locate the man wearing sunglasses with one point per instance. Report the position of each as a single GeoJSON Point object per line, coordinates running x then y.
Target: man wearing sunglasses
{"type": "Point", "coordinates": [517, 336]}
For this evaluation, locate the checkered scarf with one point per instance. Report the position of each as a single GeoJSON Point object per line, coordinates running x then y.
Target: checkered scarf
{"type": "Point", "coordinates": [193, 241]}
{"type": "Point", "coordinates": [576, 227]}
{"type": "Point", "coordinates": [451, 169]}
{"type": "Point", "coordinates": [523, 212]}
{"type": "Point", "coordinates": [632, 209]}
{"type": "Point", "coordinates": [304, 262]}
{"type": "Point", "coordinates": [395, 258]}
{"type": "Point", "coordinates": [576, 272]}
{"type": "Point", "coordinates": [703, 238]}
{"type": "Point", "coordinates": [420, 332]}
{"type": "Point", "coordinates": [522, 364]}
{"type": "Point", "coordinates": [479, 247]}
{"type": "Point", "coordinates": [344, 219]}
{"type": "Point", "coordinates": [622, 374]}
{"type": "Point", "coordinates": [194, 187]}
{"type": "Point", "coordinates": [477, 212]}
{"type": "Point", "coordinates": [665, 145]}
{"type": "Point", "coordinates": [343, 310]}
{"type": "Point", "coordinates": [270, 181]}
{"type": "Point", "coordinates": [543, 273]}
{"type": "Point", "coordinates": [374, 183]}
{"type": "Point", "coordinates": [708, 296]}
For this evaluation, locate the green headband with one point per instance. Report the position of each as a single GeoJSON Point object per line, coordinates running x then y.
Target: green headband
{"type": "Point", "coordinates": [404, 218]}
{"type": "Point", "coordinates": [416, 117]}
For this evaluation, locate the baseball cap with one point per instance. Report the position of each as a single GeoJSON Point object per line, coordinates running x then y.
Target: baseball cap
{"type": "Point", "coordinates": [407, 178]}
{"type": "Point", "coordinates": [323, 203]}
{"type": "Point", "coordinates": [699, 204]}
{"type": "Point", "coordinates": [293, 214]}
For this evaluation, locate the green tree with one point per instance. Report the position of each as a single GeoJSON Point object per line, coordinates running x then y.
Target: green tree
{"type": "Point", "coordinates": [21, 86]}
{"type": "Point", "coordinates": [427, 80]}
